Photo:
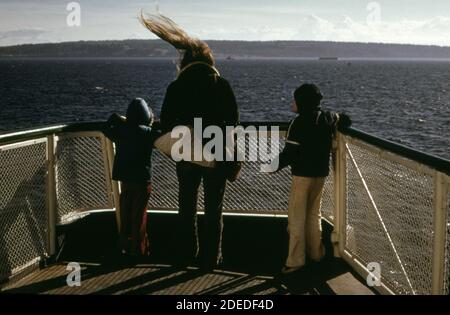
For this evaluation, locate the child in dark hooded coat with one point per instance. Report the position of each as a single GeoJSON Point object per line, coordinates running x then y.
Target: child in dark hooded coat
{"type": "Point", "coordinates": [134, 138]}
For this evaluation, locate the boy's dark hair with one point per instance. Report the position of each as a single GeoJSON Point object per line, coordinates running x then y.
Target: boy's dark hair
{"type": "Point", "coordinates": [308, 96]}
{"type": "Point", "coordinates": [138, 113]}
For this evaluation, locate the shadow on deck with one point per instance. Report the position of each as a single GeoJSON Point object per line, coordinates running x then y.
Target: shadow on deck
{"type": "Point", "coordinates": [254, 250]}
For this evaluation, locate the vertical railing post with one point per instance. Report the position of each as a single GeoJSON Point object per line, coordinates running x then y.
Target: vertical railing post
{"type": "Point", "coordinates": [342, 193]}
{"type": "Point", "coordinates": [340, 196]}
{"type": "Point", "coordinates": [440, 232]}
{"type": "Point", "coordinates": [114, 184]}
{"type": "Point", "coordinates": [336, 215]}
{"type": "Point", "coordinates": [107, 170]}
{"type": "Point", "coordinates": [51, 194]}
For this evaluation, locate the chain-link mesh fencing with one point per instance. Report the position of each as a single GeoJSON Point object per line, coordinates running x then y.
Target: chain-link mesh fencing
{"type": "Point", "coordinates": [447, 248]}
{"type": "Point", "coordinates": [390, 218]}
{"type": "Point", "coordinates": [82, 175]}
{"type": "Point", "coordinates": [254, 192]}
{"type": "Point", "coordinates": [23, 210]}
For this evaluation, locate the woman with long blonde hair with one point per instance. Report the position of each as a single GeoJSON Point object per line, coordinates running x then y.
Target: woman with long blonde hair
{"type": "Point", "coordinates": [191, 49]}
{"type": "Point", "coordinates": [198, 92]}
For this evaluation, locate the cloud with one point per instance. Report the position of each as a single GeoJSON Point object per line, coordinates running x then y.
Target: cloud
{"type": "Point", "coordinates": [247, 33]}
{"type": "Point", "coordinates": [19, 36]}
{"type": "Point", "coordinates": [435, 31]}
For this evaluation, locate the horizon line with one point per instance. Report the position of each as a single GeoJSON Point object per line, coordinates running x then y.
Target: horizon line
{"type": "Point", "coordinates": [233, 40]}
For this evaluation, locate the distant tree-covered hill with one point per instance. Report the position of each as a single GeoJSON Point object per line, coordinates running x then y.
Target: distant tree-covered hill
{"type": "Point", "coordinates": [281, 49]}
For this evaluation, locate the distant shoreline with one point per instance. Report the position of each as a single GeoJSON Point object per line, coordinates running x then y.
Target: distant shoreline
{"type": "Point", "coordinates": [231, 50]}
{"type": "Point", "coordinates": [224, 59]}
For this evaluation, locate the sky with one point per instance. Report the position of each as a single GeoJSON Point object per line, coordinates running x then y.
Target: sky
{"type": "Point", "coordinates": [382, 21]}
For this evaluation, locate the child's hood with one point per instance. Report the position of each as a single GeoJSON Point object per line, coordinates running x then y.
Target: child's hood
{"type": "Point", "coordinates": [138, 113]}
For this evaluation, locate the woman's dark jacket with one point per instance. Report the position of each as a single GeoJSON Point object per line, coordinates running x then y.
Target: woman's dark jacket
{"type": "Point", "coordinates": [199, 92]}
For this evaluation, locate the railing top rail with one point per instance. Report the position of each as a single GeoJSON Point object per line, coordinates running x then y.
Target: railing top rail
{"type": "Point", "coordinates": [435, 162]}
{"type": "Point", "coordinates": [27, 134]}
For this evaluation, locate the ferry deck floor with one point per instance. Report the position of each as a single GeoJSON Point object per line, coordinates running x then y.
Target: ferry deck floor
{"type": "Point", "coordinates": [254, 249]}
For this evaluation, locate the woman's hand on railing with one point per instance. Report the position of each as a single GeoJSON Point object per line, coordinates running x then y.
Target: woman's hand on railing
{"type": "Point", "coordinates": [267, 169]}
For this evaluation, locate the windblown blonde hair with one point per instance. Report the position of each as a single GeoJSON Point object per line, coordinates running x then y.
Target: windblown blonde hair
{"type": "Point", "coordinates": [191, 49]}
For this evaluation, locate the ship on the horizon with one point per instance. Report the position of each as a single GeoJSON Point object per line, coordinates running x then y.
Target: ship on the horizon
{"type": "Point", "coordinates": [328, 58]}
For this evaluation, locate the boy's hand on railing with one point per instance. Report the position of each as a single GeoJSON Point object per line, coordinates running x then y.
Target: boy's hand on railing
{"type": "Point", "coordinates": [116, 119]}
{"type": "Point", "coordinates": [344, 121]}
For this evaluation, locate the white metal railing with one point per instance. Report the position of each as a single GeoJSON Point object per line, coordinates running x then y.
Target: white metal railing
{"type": "Point", "coordinates": [45, 181]}
{"type": "Point", "coordinates": [391, 211]}
{"type": "Point", "coordinates": [385, 208]}
{"type": "Point", "coordinates": [23, 210]}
